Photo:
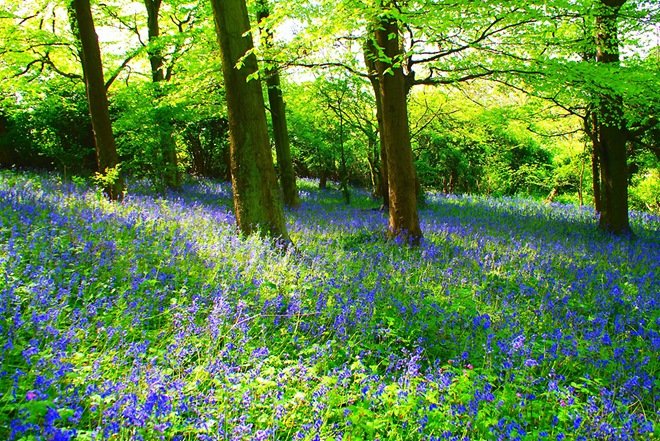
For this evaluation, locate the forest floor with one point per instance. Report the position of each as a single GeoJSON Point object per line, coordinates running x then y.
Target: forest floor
{"type": "Point", "coordinates": [153, 319]}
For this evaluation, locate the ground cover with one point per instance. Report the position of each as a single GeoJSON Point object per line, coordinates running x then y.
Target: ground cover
{"type": "Point", "coordinates": [152, 319]}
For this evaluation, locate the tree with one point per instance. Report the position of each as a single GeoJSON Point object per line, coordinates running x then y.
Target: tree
{"type": "Point", "coordinates": [278, 117]}
{"type": "Point", "coordinates": [334, 96]}
{"type": "Point", "coordinates": [106, 151]}
{"type": "Point", "coordinates": [156, 61]}
{"type": "Point", "coordinates": [611, 127]}
{"type": "Point", "coordinates": [403, 216]}
{"type": "Point", "coordinates": [370, 56]}
{"type": "Point", "coordinates": [257, 204]}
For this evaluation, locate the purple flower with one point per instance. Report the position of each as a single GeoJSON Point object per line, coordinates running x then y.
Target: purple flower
{"type": "Point", "coordinates": [262, 352]}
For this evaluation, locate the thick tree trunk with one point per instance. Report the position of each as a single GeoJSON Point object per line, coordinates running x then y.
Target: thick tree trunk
{"type": "Point", "coordinates": [323, 180]}
{"type": "Point", "coordinates": [168, 147]}
{"type": "Point", "coordinates": [370, 57]}
{"type": "Point", "coordinates": [153, 28]}
{"type": "Point", "coordinates": [278, 118]}
{"type": "Point", "coordinates": [611, 128]}
{"type": "Point", "coordinates": [403, 216]}
{"type": "Point", "coordinates": [256, 195]}
{"type": "Point", "coordinates": [106, 150]}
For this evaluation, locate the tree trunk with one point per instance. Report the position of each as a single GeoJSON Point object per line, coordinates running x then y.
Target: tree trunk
{"type": "Point", "coordinates": [278, 118]}
{"type": "Point", "coordinates": [168, 148]}
{"type": "Point", "coordinates": [611, 128]}
{"type": "Point", "coordinates": [403, 216]}
{"type": "Point", "coordinates": [370, 57]}
{"type": "Point", "coordinates": [595, 172]}
{"type": "Point", "coordinates": [256, 196]}
{"type": "Point", "coordinates": [580, 188]}
{"type": "Point", "coordinates": [97, 99]}
{"type": "Point", "coordinates": [344, 172]}
{"type": "Point", "coordinates": [373, 159]}
{"type": "Point", "coordinates": [591, 129]}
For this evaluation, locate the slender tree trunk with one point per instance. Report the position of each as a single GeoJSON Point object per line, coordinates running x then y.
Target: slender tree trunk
{"type": "Point", "coordinates": [257, 200]}
{"type": "Point", "coordinates": [592, 131]}
{"type": "Point", "coordinates": [373, 159]}
{"type": "Point", "coordinates": [168, 147]}
{"type": "Point", "coordinates": [344, 172]}
{"type": "Point", "coordinates": [106, 150]}
{"type": "Point", "coordinates": [278, 118]}
{"type": "Point", "coordinates": [611, 128]}
{"type": "Point", "coordinates": [595, 173]}
{"type": "Point", "coordinates": [403, 216]}
{"type": "Point", "coordinates": [581, 181]}
{"type": "Point", "coordinates": [370, 57]}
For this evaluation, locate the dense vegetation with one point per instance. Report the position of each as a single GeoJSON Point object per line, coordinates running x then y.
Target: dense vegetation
{"type": "Point", "coordinates": [505, 106]}
{"type": "Point", "coordinates": [153, 319]}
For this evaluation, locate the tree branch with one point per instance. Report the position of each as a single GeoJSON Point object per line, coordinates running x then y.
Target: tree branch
{"type": "Point", "coordinates": [123, 65]}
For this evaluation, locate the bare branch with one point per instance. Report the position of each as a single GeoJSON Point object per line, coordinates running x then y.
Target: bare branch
{"type": "Point", "coordinates": [554, 135]}
{"type": "Point", "coordinates": [123, 65]}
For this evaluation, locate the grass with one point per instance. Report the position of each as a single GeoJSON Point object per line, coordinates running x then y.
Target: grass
{"type": "Point", "coordinates": [152, 319]}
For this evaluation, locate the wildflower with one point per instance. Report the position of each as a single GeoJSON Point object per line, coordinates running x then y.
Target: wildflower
{"type": "Point", "coordinates": [530, 362]}
{"type": "Point", "coordinates": [262, 352]}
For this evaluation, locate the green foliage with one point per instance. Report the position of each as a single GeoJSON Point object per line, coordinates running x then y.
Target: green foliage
{"type": "Point", "coordinates": [142, 119]}
{"type": "Point", "coordinates": [466, 148]}
{"type": "Point", "coordinates": [109, 179]}
{"type": "Point", "coordinates": [48, 127]}
{"type": "Point", "coordinates": [645, 191]}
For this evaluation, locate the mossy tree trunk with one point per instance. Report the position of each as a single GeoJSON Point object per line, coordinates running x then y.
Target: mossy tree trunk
{"type": "Point", "coordinates": [401, 178]}
{"type": "Point", "coordinates": [106, 150]}
{"type": "Point", "coordinates": [278, 118]}
{"type": "Point", "coordinates": [257, 202]}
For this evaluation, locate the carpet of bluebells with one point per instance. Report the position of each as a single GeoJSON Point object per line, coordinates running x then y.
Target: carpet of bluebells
{"type": "Point", "coordinates": [152, 319]}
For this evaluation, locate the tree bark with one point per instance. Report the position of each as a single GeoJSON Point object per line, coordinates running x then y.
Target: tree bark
{"type": "Point", "coordinates": [611, 128]}
{"type": "Point", "coordinates": [257, 202]}
{"type": "Point", "coordinates": [373, 159]}
{"type": "Point", "coordinates": [370, 57]}
{"type": "Point", "coordinates": [278, 117]}
{"type": "Point", "coordinates": [97, 99]}
{"type": "Point", "coordinates": [595, 173]}
{"type": "Point", "coordinates": [403, 216]}
{"type": "Point", "coordinates": [156, 60]}
{"type": "Point", "coordinates": [592, 131]}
